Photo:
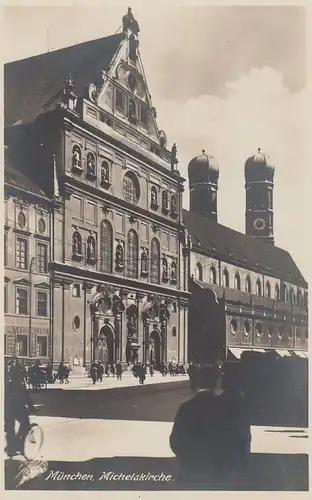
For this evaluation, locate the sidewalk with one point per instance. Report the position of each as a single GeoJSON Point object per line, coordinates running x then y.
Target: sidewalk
{"type": "Point", "coordinates": [78, 382]}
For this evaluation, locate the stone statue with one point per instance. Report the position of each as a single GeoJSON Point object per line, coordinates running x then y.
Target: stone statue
{"type": "Point", "coordinates": [69, 84]}
{"type": "Point", "coordinates": [90, 164]}
{"type": "Point", "coordinates": [174, 160]}
{"type": "Point", "coordinates": [129, 23]}
{"type": "Point", "coordinates": [153, 198]}
{"type": "Point", "coordinates": [119, 257]}
{"type": "Point", "coordinates": [76, 244]}
{"type": "Point", "coordinates": [164, 268]}
{"type": "Point", "coordinates": [165, 200]}
{"type": "Point", "coordinates": [173, 204]}
{"type": "Point", "coordinates": [105, 172]}
{"type": "Point", "coordinates": [144, 263]}
{"type": "Point", "coordinates": [91, 248]}
{"type": "Point", "coordinates": [76, 157]}
{"type": "Point", "coordinates": [173, 271]}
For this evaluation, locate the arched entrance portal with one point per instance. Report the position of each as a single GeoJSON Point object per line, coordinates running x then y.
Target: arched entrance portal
{"type": "Point", "coordinates": [106, 345]}
{"type": "Point", "coordinates": [155, 349]}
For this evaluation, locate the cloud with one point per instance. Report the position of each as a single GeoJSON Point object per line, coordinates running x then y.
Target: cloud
{"type": "Point", "coordinates": [258, 111]}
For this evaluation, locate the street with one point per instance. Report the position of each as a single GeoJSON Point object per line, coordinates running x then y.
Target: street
{"type": "Point", "coordinates": [126, 429]}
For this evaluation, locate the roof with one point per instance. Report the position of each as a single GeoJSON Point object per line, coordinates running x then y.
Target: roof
{"type": "Point", "coordinates": [32, 84]}
{"type": "Point", "coordinates": [234, 247]}
{"type": "Point", "coordinates": [18, 179]}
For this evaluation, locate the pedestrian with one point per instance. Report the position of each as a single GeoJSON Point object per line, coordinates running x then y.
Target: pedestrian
{"type": "Point", "coordinates": [142, 374]}
{"type": "Point", "coordinates": [119, 370]}
{"type": "Point", "coordinates": [113, 369]}
{"type": "Point", "coordinates": [94, 372]}
{"type": "Point", "coordinates": [151, 369]}
{"type": "Point", "coordinates": [107, 370]}
{"type": "Point", "coordinates": [211, 433]}
{"type": "Point", "coordinates": [61, 372]}
{"type": "Point", "coordinates": [100, 371]}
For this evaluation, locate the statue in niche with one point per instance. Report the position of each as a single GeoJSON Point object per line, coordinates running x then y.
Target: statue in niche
{"type": "Point", "coordinates": [165, 200]}
{"type": "Point", "coordinates": [105, 172]}
{"type": "Point", "coordinates": [90, 164]}
{"type": "Point", "coordinates": [119, 257]}
{"type": "Point", "coordinates": [173, 204]}
{"type": "Point", "coordinates": [91, 249]}
{"type": "Point", "coordinates": [173, 271]}
{"type": "Point", "coordinates": [164, 268]}
{"type": "Point", "coordinates": [130, 23]}
{"type": "Point", "coordinates": [153, 197]}
{"type": "Point", "coordinates": [76, 157]}
{"type": "Point", "coordinates": [76, 244]}
{"type": "Point", "coordinates": [144, 264]}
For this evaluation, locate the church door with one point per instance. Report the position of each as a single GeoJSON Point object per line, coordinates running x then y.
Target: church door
{"type": "Point", "coordinates": [106, 345]}
{"type": "Point", "coordinates": [155, 349]}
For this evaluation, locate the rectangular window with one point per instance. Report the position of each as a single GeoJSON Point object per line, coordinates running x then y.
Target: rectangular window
{"type": "Point", "coordinates": [90, 211]}
{"type": "Point", "coordinates": [42, 258]}
{"type": "Point", "coordinates": [21, 253]}
{"type": "Point", "coordinates": [42, 304]}
{"type": "Point", "coordinates": [5, 298]}
{"type": "Point", "coordinates": [21, 345]}
{"type": "Point", "coordinates": [76, 207]}
{"type": "Point", "coordinates": [119, 100]}
{"type": "Point", "coordinates": [144, 115]}
{"type": "Point", "coordinates": [5, 253]}
{"type": "Point", "coordinates": [21, 300]}
{"type": "Point", "coordinates": [42, 347]}
{"type": "Point", "coordinates": [76, 290]}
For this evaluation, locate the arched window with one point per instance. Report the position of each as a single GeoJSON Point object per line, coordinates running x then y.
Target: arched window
{"type": "Point", "coordinates": [237, 282]}
{"type": "Point", "coordinates": [155, 261]}
{"type": "Point", "coordinates": [268, 289]}
{"type": "Point", "coordinates": [248, 284]}
{"type": "Point", "coordinates": [131, 188]}
{"type": "Point", "coordinates": [299, 296]}
{"type": "Point", "coordinates": [286, 294]}
{"type": "Point", "coordinates": [132, 109]}
{"type": "Point", "coordinates": [213, 275]}
{"type": "Point", "coordinates": [133, 254]}
{"type": "Point", "coordinates": [277, 292]}
{"type": "Point", "coordinates": [225, 279]}
{"type": "Point", "coordinates": [293, 296]}
{"type": "Point", "coordinates": [77, 243]}
{"type": "Point", "coordinates": [258, 287]}
{"type": "Point", "coordinates": [199, 272]}
{"type": "Point", "coordinates": [106, 244]}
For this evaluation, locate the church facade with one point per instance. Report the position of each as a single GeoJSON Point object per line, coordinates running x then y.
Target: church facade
{"type": "Point", "coordinates": [117, 266]}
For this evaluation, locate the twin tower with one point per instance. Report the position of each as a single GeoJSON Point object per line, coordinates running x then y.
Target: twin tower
{"type": "Point", "coordinates": [203, 172]}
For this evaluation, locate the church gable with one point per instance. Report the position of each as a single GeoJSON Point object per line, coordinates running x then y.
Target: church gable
{"type": "Point", "coordinates": [124, 91]}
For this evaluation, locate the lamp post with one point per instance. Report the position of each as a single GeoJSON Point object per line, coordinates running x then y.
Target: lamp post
{"type": "Point", "coordinates": [30, 304]}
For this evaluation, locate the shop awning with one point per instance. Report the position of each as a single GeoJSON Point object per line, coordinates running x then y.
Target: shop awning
{"type": "Point", "coordinates": [237, 352]}
{"type": "Point", "coordinates": [282, 353]}
{"type": "Point", "coordinates": [301, 354]}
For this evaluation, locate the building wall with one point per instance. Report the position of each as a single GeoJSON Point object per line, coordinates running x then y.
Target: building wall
{"type": "Point", "coordinates": [27, 220]}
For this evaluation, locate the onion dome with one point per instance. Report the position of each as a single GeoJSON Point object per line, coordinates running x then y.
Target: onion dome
{"type": "Point", "coordinates": [203, 168]}
{"type": "Point", "coordinates": [259, 167]}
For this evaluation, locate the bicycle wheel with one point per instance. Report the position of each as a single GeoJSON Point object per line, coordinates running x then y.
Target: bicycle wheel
{"type": "Point", "coordinates": [33, 442]}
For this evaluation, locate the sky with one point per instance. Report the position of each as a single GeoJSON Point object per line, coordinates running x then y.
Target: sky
{"type": "Point", "coordinates": [222, 78]}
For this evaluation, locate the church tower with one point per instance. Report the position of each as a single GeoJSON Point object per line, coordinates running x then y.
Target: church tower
{"type": "Point", "coordinates": [259, 183]}
{"type": "Point", "coordinates": [203, 173]}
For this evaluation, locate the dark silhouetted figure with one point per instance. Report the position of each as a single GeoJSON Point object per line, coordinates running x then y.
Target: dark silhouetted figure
{"type": "Point", "coordinates": [211, 433]}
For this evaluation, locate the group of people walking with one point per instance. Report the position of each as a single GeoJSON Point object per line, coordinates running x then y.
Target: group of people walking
{"type": "Point", "coordinates": [98, 370]}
